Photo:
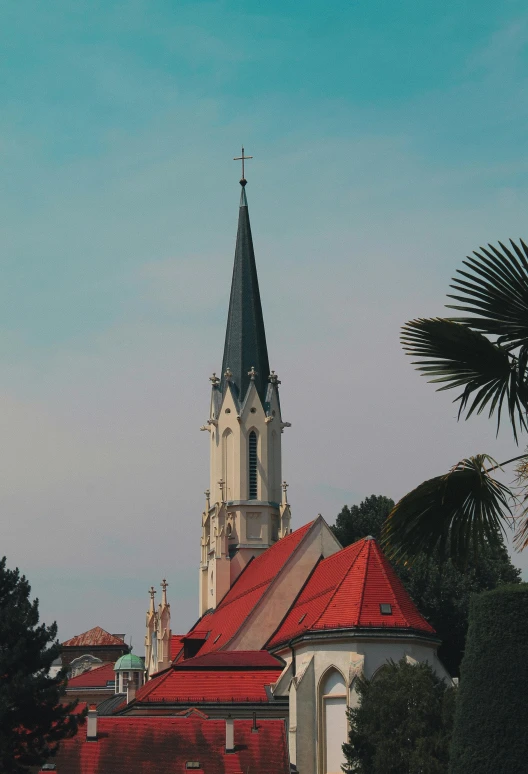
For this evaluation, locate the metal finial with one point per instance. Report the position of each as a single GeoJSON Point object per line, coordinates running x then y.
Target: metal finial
{"type": "Point", "coordinates": [228, 375]}
{"type": "Point", "coordinates": [215, 381]}
{"type": "Point", "coordinates": [242, 158]}
{"type": "Point", "coordinates": [152, 591]}
{"type": "Point", "coordinates": [252, 373]}
{"type": "Point", "coordinates": [274, 378]}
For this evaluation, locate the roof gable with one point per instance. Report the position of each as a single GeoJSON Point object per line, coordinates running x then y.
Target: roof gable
{"type": "Point", "coordinates": [346, 591]}
{"type": "Point", "coordinates": [223, 623]}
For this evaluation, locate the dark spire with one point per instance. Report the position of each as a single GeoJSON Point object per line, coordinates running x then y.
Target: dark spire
{"type": "Point", "coordinates": [245, 343]}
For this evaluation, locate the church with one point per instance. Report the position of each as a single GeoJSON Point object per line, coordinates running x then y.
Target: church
{"type": "Point", "coordinates": [288, 618]}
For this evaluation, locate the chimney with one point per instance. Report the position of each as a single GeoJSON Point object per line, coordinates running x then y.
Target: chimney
{"type": "Point", "coordinates": [230, 735]}
{"type": "Point", "coordinates": [131, 691]}
{"type": "Point", "coordinates": [91, 724]}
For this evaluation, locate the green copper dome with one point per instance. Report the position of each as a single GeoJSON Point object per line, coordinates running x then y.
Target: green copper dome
{"type": "Point", "coordinates": [129, 661]}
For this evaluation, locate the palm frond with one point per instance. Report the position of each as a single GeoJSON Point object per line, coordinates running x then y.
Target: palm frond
{"type": "Point", "coordinates": [521, 480]}
{"type": "Point", "coordinates": [457, 356]}
{"type": "Point", "coordinates": [455, 513]}
{"type": "Point", "coordinates": [495, 291]}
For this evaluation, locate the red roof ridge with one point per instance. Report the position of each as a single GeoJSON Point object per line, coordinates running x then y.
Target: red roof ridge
{"type": "Point", "coordinates": [345, 574]}
{"type": "Point", "coordinates": [380, 558]}
{"type": "Point", "coordinates": [364, 586]}
{"type": "Point", "coordinates": [242, 593]}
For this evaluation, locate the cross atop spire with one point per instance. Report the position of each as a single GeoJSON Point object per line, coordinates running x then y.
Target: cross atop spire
{"type": "Point", "coordinates": [242, 158]}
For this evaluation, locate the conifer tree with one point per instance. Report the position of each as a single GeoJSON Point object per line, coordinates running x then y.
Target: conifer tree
{"type": "Point", "coordinates": [403, 723]}
{"type": "Point", "coordinates": [32, 720]}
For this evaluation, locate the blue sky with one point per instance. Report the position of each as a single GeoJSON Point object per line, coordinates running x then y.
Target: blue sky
{"type": "Point", "coordinates": [389, 141]}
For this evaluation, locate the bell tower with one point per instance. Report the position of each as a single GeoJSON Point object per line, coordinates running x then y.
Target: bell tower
{"type": "Point", "coordinates": [246, 508]}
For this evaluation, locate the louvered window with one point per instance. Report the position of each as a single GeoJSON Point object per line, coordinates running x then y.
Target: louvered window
{"type": "Point", "coordinates": [253, 465]}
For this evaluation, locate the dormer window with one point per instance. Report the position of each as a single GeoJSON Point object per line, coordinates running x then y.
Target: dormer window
{"type": "Point", "coordinates": [385, 608]}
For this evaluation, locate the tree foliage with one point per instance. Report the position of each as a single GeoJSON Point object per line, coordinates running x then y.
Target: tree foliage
{"type": "Point", "coordinates": [403, 722]}
{"type": "Point", "coordinates": [32, 720]}
{"type": "Point", "coordinates": [484, 355]}
{"type": "Point", "coordinates": [440, 590]}
{"type": "Point", "coordinates": [491, 717]}
{"type": "Point", "coordinates": [357, 521]}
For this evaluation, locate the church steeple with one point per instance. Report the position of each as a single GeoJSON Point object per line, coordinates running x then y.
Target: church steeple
{"type": "Point", "coordinates": [246, 511]}
{"type": "Point", "coordinates": [245, 342]}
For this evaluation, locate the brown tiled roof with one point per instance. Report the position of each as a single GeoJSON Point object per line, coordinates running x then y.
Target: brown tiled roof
{"type": "Point", "coordinates": [95, 636]}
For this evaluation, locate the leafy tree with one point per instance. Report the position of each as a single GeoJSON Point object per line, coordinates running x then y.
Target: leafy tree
{"type": "Point", "coordinates": [403, 722]}
{"type": "Point", "coordinates": [357, 521]}
{"type": "Point", "coordinates": [485, 355]}
{"type": "Point", "coordinates": [32, 720]}
{"type": "Point", "coordinates": [440, 590]}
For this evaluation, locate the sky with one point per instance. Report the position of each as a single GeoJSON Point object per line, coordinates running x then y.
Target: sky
{"type": "Point", "coordinates": [389, 141]}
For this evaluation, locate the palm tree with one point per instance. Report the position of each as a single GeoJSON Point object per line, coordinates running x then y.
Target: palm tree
{"type": "Point", "coordinates": [484, 354]}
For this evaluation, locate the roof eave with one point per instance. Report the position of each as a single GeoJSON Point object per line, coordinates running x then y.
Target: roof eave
{"type": "Point", "coordinates": [357, 632]}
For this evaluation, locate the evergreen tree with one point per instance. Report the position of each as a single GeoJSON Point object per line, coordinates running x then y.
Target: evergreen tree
{"type": "Point", "coordinates": [491, 718]}
{"type": "Point", "coordinates": [32, 720]}
{"type": "Point", "coordinates": [403, 723]}
{"type": "Point", "coordinates": [440, 591]}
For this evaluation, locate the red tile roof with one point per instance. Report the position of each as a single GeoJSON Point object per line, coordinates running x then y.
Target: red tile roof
{"type": "Point", "coordinates": [195, 686]}
{"type": "Point", "coordinates": [346, 590]}
{"type": "Point", "coordinates": [95, 636]}
{"type": "Point", "coordinates": [95, 678]}
{"type": "Point", "coordinates": [126, 745]}
{"type": "Point", "coordinates": [223, 623]}
{"type": "Point", "coordinates": [176, 644]}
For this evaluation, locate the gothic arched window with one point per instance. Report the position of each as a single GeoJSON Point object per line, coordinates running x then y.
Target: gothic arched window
{"type": "Point", "coordinates": [253, 488]}
{"type": "Point", "coordinates": [333, 704]}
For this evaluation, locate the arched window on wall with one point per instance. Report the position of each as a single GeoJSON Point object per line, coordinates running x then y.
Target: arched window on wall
{"type": "Point", "coordinates": [333, 723]}
{"type": "Point", "coordinates": [253, 481]}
